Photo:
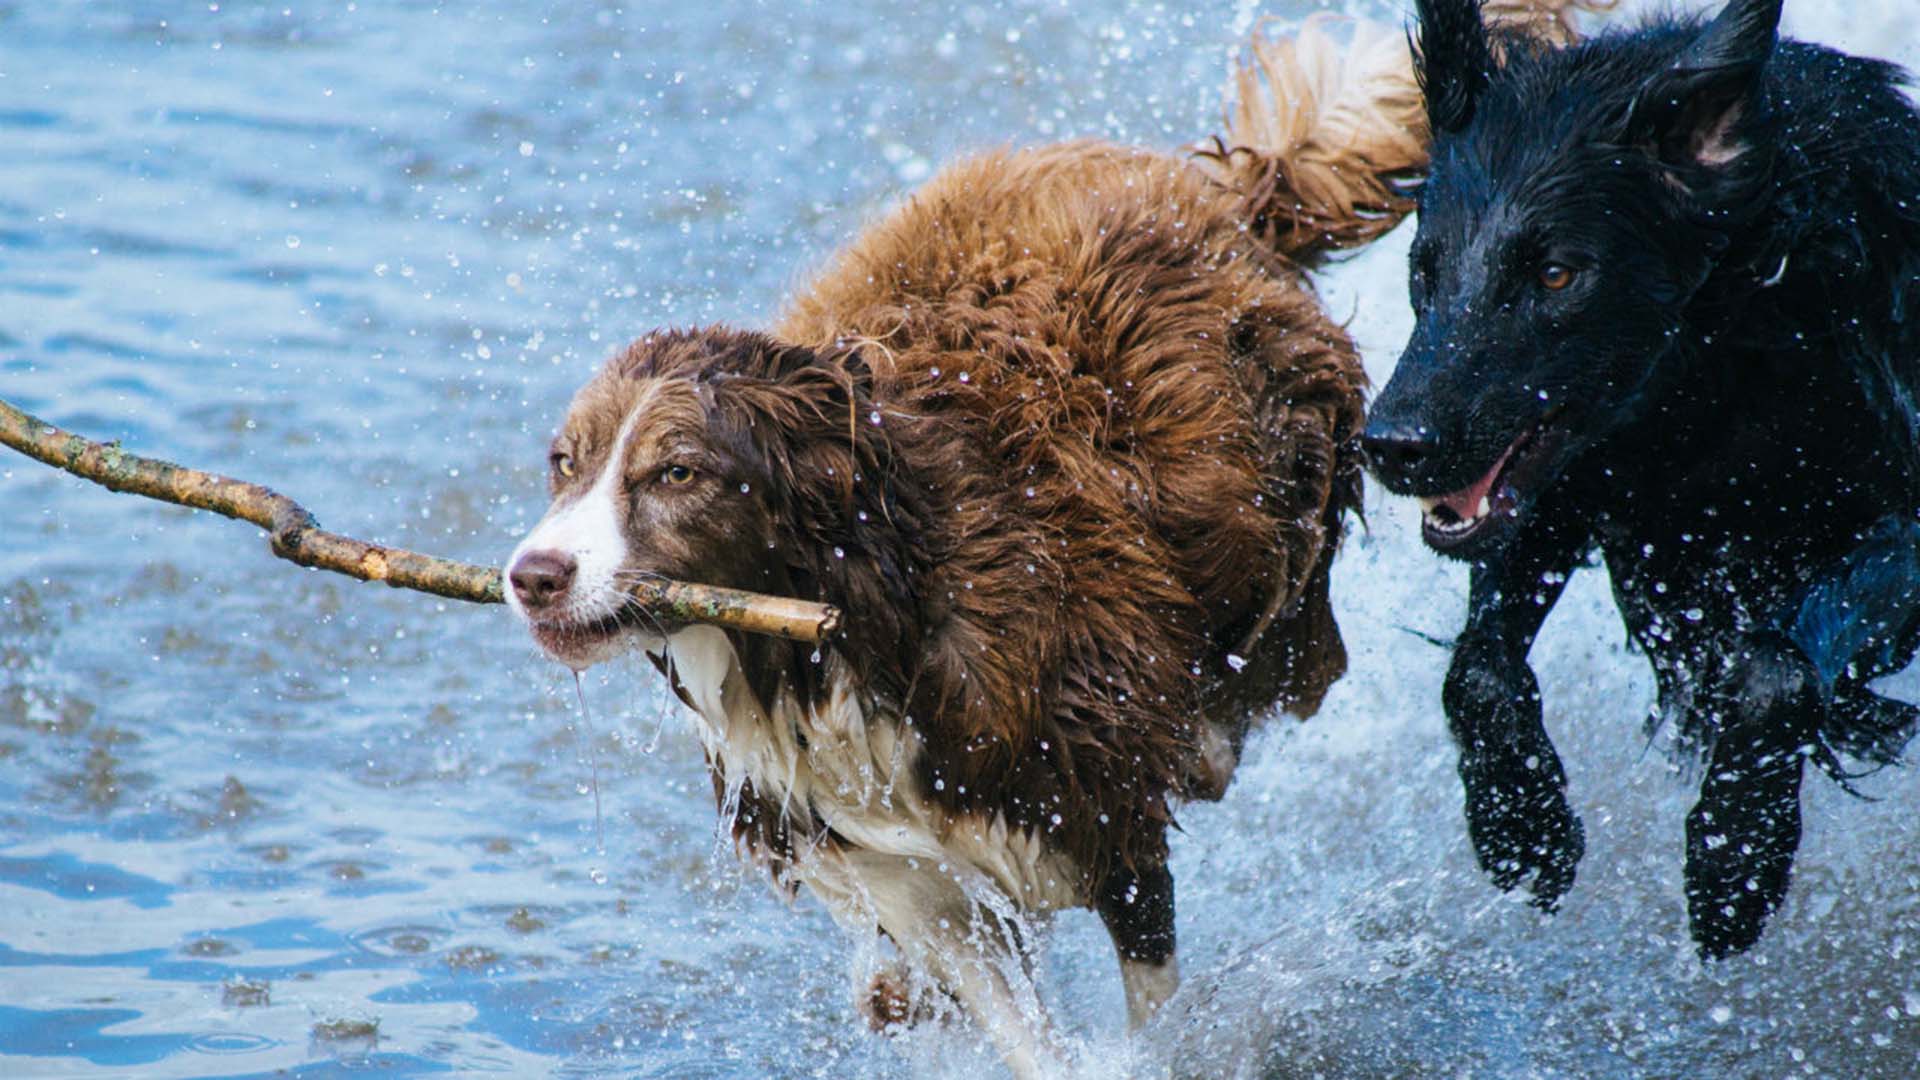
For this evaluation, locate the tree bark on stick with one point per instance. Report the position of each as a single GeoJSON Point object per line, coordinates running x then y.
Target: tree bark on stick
{"type": "Point", "coordinates": [294, 535]}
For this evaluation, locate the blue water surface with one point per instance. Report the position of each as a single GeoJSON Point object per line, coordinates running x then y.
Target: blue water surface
{"type": "Point", "coordinates": [256, 820]}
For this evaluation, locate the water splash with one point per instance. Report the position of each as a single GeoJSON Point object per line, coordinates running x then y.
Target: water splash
{"type": "Point", "coordinates": [593, 764]}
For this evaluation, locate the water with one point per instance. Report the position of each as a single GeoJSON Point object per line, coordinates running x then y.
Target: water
{"type": "Point", "coordinates": [259, 819]}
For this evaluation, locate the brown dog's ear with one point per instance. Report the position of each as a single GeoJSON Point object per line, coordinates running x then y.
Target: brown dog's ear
{"type": "Point", "coordinates": [1692, 113]}
{"type": "Point", "coordinates": [799, 410]}
{"type": "Point", "coordinates": [1452, 59]}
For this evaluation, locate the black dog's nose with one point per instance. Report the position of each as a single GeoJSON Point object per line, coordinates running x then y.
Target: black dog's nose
{"type": "Point", "coordinates": [1398, 454]}
{"type": "Point", "coordinates": [541, 578]}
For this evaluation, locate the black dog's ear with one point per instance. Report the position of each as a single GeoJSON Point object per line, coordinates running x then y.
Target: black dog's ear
{"type": "Point", "coordinates": [1692, 111]}
{"type": "Point", "coordinates": [1453, 60]}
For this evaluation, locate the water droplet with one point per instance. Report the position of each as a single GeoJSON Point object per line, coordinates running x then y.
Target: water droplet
{"type": "Point", "coordinates": [745, 487]}
{"type": "Point", "coordinates": [1236, 661]}
{"type": "Point", "coordinates": [293, 241]}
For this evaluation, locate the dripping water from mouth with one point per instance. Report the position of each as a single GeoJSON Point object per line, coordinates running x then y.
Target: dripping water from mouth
{"type": "Point", "coordinates": [593, 764]}
{"type": "Point", "coordinates": [653, 741]}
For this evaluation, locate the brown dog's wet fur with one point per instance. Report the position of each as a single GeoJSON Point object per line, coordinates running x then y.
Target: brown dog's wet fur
{"type": "Point", "coordinates": [1112, 436]}
{"type": "Point", "coordinates": [1139, 427]}
{"type": "Point", "coordinates": [1060, 438]}
{"type": "Point", "coordinates": [1071, 443]}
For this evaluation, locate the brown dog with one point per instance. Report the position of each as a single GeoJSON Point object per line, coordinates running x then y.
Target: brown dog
{"type": "Point", "coordinates": [1069, 440]}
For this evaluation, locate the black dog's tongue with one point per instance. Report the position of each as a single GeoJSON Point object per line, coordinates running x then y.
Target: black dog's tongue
{"type": "Point", "coordinates": [1475, 501]}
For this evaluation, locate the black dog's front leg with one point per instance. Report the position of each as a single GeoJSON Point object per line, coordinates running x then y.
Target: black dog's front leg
{"type": "Point", "coordinates": [1775, 698]}
{"type": "Point", "coordinates": [1517, 812]}
{"type": "Point", "coordinates": [1742, 834]}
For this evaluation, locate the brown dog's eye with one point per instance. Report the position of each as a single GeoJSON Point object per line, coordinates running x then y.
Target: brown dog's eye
{"type": "Point", "coordinates": [563, 464]}
{"type": "Point", "coordinates": [676, 475]}
{"type": "Point", "coordinates": [1556, 276]}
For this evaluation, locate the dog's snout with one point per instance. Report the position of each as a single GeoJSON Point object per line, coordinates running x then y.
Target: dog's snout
{"type": "Point", "coordinates": [541, 578]}
{"type": "Point", "coordinates": [1399, 454]}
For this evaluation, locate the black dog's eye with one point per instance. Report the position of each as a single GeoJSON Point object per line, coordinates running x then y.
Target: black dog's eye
{"type": "Point", "coordinates": [563, 465]}
{"type": "Point", "coordinates": [676, 475]}
{"type": "Point", "coordinates": [1556, 276]}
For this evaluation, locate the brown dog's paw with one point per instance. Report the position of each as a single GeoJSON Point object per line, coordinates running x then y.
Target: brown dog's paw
{"type": "Point", "coordinates": [894, 1004]}
{"type": "Point", "coordinates": [889, 1004]}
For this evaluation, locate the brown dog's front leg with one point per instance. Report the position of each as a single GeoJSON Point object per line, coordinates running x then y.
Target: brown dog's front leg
{"type": "Point", "coordinates": [1137, 907]}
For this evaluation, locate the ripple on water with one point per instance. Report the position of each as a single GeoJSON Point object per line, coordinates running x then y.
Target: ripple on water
{"type": "Point", "coordinates": [70, 878]}
{"type": "Point", "coordinates": [400, 941]}
{"type": "Point", "coordinates": [227, 1043]}
{"type": "Point", "coordinates": [28, 118]}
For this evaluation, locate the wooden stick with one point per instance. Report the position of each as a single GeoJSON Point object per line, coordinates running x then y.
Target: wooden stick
{"type": "Point", "coordinates": [294, 535]}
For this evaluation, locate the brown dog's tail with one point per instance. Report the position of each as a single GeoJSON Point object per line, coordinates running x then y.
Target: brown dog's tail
{"type": "Point", "coordinates": [1326, 142]}
{"type": "Point", "coordinates": [1549, 21]}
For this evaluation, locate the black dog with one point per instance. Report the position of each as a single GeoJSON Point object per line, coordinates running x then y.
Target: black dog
{"type": "Point", "coordinates": [1668, 295]}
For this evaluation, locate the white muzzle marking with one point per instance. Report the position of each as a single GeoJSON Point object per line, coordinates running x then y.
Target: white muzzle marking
{"type": "Point", "coordinates": [587, 529]}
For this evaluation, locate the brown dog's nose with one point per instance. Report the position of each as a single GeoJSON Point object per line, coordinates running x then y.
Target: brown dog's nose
{"type": "Point", "coordinates": [541, 578]}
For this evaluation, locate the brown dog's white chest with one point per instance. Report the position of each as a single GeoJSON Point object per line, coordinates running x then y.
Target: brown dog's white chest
{"type": "Point", "coordinates": [852, 773]}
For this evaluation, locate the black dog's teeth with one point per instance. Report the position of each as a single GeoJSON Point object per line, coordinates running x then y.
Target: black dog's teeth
{"type": "Point", "coordinates": [1441, 518]}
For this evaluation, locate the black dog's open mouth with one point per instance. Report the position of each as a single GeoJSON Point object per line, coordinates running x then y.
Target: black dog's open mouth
{"type": "Point", "coordinates": [1455, 519]}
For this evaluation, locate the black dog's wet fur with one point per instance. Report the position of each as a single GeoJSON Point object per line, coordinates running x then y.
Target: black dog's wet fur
{"type": "Point", "coordinates": [1729, 382]}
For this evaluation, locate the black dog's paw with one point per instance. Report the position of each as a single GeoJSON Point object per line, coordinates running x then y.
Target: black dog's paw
{"type": "Point", "coordinates": [1739, 863]}
{"type": "Point", "coordinates": [1526, 829]}
{"type": "Point", "coordinates": [1517, 812]}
